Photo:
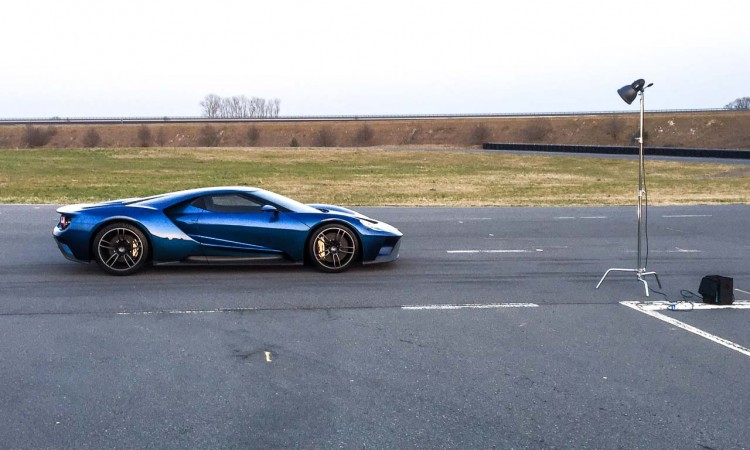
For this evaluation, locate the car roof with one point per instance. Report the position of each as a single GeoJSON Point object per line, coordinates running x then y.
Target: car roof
{"type": "Point", "coordinates": [171, 198]}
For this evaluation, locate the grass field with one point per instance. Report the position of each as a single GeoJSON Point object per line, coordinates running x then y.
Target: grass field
{"type": "Point", "coordinates": [363, 176]}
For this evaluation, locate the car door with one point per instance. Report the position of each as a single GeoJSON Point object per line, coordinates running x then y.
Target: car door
{"type": "Point", "coordinates": [235, 226]}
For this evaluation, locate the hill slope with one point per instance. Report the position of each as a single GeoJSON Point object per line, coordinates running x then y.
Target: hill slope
{"type": "Point", "coordinates": [716, 129]}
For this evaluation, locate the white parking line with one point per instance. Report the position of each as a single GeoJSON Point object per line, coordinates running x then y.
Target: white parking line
{"type": "Point", "coordinates": [582, 217]}
{"type": "Point", "coordinates": [27, 204]}
{"type": "Point", "coordinates": [664, 306]}
{"type": "Point", "coordinates": [651, 308]}
{"type": "Point", "coordinates": [474, 219]}
{"type": "Point", "coordinates": [492, 251]}
{"type": "Point", "coordinates": [676, 250]}
{"type": "Point", "coordinates": [471, 306]}
{"type": "Point", "coordinates": [686, 215]}
{"type": "Point", "coordinates": [186, 311]}
{"type": "Point", "coordinates": [406, 307]}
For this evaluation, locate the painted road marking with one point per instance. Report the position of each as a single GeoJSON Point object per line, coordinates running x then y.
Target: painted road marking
{"type": "Point", "coordinates": [651, 308]}
{"type": "Point", "coordinates": [187, 311]}
{"type": "Point", "coordinates": [664, 306]}
{"type": "Point", "coordinates": [403, 307]}
{"type": "Point", "coordinates": [686, 215]}
{"type": "Point", "coordinates": [454, 252]}
{"type": "Point", "coordinates": [682, 250]}
{"type": "Point", "coordinates": [27, 204]}
{"type": "Point", "coordinates": [740, 290]}
{"type": "Point", "coordinates": [582, 217]}
{"type": "Point", "coordinates": [676, 250]}
{"type": "Point", "coordinates": [471, 306]}
{"type": "Point", "coordinates": [470, 219]}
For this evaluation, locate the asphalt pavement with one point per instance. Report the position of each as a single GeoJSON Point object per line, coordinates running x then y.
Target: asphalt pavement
{"type": "Point", "coordinates": [488, 332]}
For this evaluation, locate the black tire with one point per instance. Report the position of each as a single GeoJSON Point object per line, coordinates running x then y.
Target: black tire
{"type": "Point", "coordinates": [120, 249]}
{"type": "Point", "coordinates": [333, 248]}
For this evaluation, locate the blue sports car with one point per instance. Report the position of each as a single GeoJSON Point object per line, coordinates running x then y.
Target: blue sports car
{"type": "Point", "coordinates": [221, 225]}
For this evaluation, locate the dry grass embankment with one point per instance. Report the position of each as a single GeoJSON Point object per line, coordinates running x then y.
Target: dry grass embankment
{"type": "Point", "coordinates": [718, 129]}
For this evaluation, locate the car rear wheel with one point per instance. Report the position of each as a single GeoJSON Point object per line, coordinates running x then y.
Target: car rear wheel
{"type": "Point", "coordinates": [333, 248]}
{"type": "Point", "coordinates": [120, 249]}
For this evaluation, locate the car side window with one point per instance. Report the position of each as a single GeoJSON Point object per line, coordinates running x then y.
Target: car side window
{"type": "Point", "coordinates": [199, 202]}
{"type": "Point", "coordinates": [227, 203]}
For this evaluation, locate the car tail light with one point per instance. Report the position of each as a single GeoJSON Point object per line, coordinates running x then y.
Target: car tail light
{"type": "Point", "coordinates": [64, 221]}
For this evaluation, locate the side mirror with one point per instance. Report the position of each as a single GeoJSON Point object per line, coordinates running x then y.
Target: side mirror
{"type": "Point", "coordinates": [269, 209]}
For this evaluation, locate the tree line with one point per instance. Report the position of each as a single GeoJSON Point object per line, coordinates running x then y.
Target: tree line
{"type": "Point", "coordinates": [239, 107]}
{"type": "Point", "coordinates": [740, 103]}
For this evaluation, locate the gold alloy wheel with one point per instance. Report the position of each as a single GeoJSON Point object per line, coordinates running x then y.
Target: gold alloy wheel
{"type": "Point", "coordinates": [334, 248]}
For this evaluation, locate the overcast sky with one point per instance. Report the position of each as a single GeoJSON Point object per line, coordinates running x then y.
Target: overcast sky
{"type": "Point", "coordinates": [160, 58]}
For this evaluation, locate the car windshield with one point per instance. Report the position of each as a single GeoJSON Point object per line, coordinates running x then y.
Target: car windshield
{"type": "Point", "coordinates": [284, 202]}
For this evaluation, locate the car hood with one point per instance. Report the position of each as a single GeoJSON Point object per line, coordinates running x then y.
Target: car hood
{"type": "Point", "coordinates": [337, 209]}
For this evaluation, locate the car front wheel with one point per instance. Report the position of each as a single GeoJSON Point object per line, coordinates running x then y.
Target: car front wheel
{"type": "Point", "coordinates": [120, 249]}
{"type": "Point", "coordinates": [333, 248]}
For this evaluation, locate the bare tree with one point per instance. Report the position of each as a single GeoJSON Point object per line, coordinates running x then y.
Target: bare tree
{"type": "Point", "coordinates": [364, 134]}
{"type": "Point", "coordinates": [161, 137]}
{"type": "Point", "coordinates": [144, 136]}
{"type": "Point", "coordinates": [209, 137]}
{"type": "Point", "coordinates": [226, 108]}
{"type": "Point", "coordinates": [740, 103]}
{"type": "Point", "coordinates": [325, 137]}
{"type": "Point", "coordinates": [253, 135]}
{"type": "Point", "coordinates": [211, 105]}
{"type": "Point", "coordinates": [91, 138]}
{"type": "Point", "coordinates": [4, 140]}
{"type": "Point", "coordinates": [271, 107]}
{"type": "Point", "coordinates": [259, 107]}
{"type": "Point", "coordinates": [239, 106]}
{"type": "Point", "coordinates": [37, 137]}
{"type": "Point", "coordinates": [276, 107]}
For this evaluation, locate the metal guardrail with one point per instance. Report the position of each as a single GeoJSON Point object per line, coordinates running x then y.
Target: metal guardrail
{"type": "Point", "coordinates": [622, 150]}
{"type": "Point", "coordinates": [164, 120]}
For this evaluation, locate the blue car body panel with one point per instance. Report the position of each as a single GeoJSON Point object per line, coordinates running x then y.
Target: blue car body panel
{"type": "Point", "coordinates": [180, 231]}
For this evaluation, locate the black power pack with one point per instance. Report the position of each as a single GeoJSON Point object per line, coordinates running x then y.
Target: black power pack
{"type": "Point", "coordinates": [717, 290]}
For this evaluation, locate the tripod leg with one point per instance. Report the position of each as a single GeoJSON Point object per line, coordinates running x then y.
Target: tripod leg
{"type": "Point", "coordinates": [602, 280]}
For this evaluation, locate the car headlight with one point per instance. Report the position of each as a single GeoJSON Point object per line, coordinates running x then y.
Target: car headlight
{"type": "Point", "coordinates": [377, 226]}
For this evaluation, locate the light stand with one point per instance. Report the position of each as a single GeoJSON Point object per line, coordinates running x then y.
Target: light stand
{"type": "Point", "coordinates": [628, 93]}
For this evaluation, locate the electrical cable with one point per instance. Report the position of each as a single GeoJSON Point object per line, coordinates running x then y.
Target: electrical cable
{"type": "Point", "coordinates": [660, 293]}
{"type": "Point", "coordinates": [680, 305]}
{"type": "Point", "coordinates": [686, 295]}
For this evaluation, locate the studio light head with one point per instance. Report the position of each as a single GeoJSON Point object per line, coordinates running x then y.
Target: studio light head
{"type": "Point", "coordinates": [630, 91]}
